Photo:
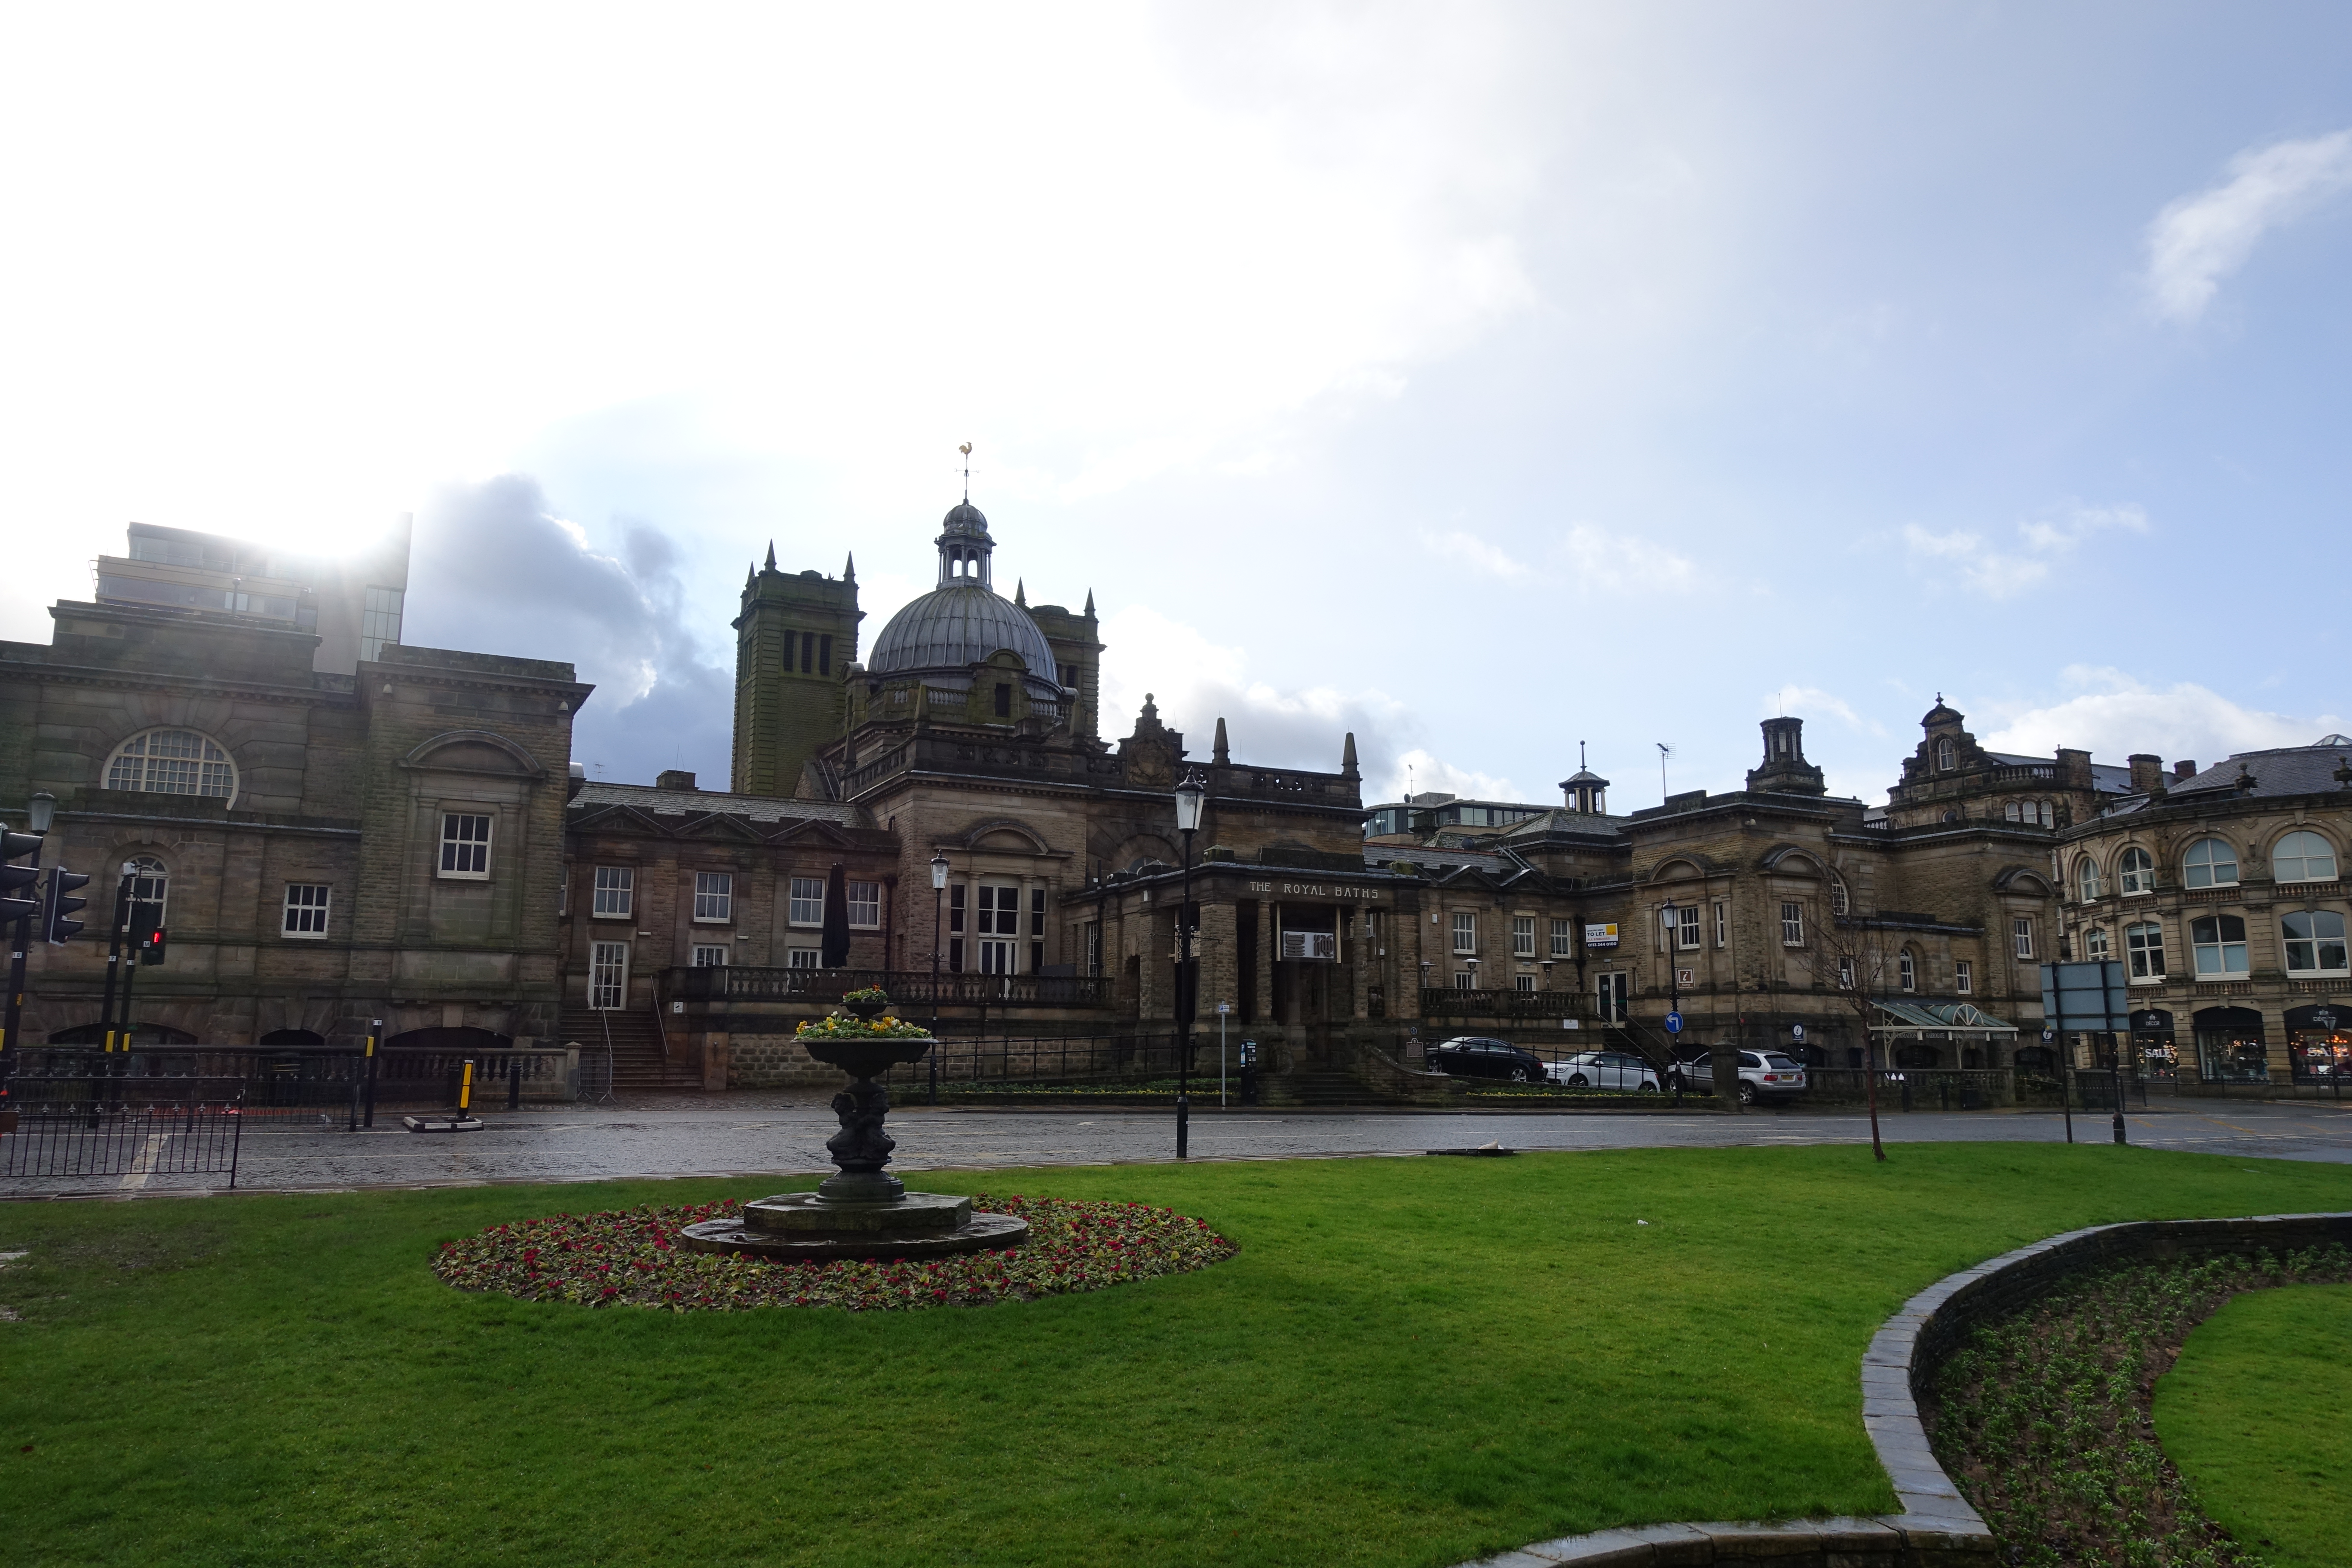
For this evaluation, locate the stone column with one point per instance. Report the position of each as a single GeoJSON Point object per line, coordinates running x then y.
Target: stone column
{"type": "Point", "coordinates": [1269, 943]}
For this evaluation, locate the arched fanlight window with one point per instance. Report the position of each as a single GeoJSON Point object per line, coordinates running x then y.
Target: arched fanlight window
{"type": "Point", "coordinates": [2303, 855]}
{"type": "Point", "coordinates": [2210, 863]}
{"type": "Point", "coordinates": [2136, 871]}
{"type": "Point", "coordinates": [2087, 879]}
{"type": "Point", "coordinates": [173, 762]}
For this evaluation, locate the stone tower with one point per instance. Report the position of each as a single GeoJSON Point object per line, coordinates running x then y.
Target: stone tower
{"type": "Point", "coordinates": [797, 635]}
{"type": "Point", "coordinates": [1785, 770]}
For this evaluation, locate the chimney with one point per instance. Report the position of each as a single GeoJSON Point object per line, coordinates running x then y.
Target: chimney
{"type": "Point", "coordinates": [2182, 771]}
{"type": "Point", "coordinates": [674, 778]}
{"type": "Point", "coordinates": [2073, 768]}
{"type": "Point", "coordinates": [2147, 772]}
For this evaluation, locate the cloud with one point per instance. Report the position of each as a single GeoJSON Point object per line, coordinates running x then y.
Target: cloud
{"type": "Point", "coordinates": [1615, 562]}
{"type": "Point", "coordinates": [1807, 702]}
{"type": "Point", "coordinates": [496, 571]}
{"type": "Point", "coordinates": [1195, 682]}
{"type": "Point", "coordinates": [1418, 773]}
{"type": "Point", "coordinates": [2001, 575]}
{"type": "Point", "coordinates": [2118, 716]}
{"type": "Point", "coordinates": [1474, 551]}
{"type": "Point", "coordinates": [2198, 240]}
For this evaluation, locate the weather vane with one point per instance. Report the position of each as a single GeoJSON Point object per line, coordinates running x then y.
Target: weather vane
{"type": "Point", "coordinates": [966, 450]}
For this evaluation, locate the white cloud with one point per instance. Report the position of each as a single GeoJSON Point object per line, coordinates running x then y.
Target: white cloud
{"type": "Point", "coordinates": [1419, 772]}
{"type": "Point", "coordinates": [1808, 701]}
{"type": "Point", "coordinates": [1616, 561]}
{"type": "Point", "coordinates": [2119, 715]}
{"type": "Point", "coordinates": [2000, 574]}
{"type": "Point", "coordinates": [1474, 551]}
{"type": "Point", "coordinates": [2201, 239]}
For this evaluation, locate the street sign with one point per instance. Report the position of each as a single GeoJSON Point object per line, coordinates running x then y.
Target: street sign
{"type": "Point", "coordinates": [2084, 998]}
{"type": "Point", "coordinates": [1796, 1031]}
{"type": "Point", "coordinates": [1224, 1006]}
{"type": "Point", "coordinates": [2048, 1036]}
{"type": "Point", "coordinates": [1686, 976]}
{"type": "Point", "coordinates": [1567, 1023]}
{"type": "Point", "coordinates": [1673, 1023]}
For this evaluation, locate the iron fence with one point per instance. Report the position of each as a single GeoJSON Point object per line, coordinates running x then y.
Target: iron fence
{"type": "Point", "coordinates": [965, 1062]}
{"type": "Point", "coordinates": [126, 1127]}
{"type": "Point", "coordinates": [288, 1088]}
{"type": "Point", "coordinates": [1914, 1089]}
{"type": "Point", "coordinates": [909, 989]}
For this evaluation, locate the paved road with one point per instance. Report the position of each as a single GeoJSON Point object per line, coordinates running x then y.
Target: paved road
{"type": "Point", "coordinates": [769, 1135]}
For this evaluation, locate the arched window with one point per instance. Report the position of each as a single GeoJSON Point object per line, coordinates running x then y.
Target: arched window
{"type": "Point", "coordinates": [173, 762]}
{"type": "Point", "coordinates": [1838, 905]}
{"type": "Point", "coordinates": [2136, 872]}
{"type": "Point", "coordinates": [2094, 943]}
{"type": "Point", "coordinates": [2144, 946]}
{"type": "Point", "coordinates": [149, 884]}
{"type": "Point", "coordinates": [2314, 941]}
{"type": "Point", "coordinates": [1906, 970]}
{"type": "Point", "coordinates": [2087, 879]}
{"type": "Point", "coordinates": [1947, 756]}
{"type": "Point", "coordinates": [2303, 855]}
{"type": "Point", "coordinates": [2210, 863]}
{"type": "Point", "coordinates": [2218, 943]}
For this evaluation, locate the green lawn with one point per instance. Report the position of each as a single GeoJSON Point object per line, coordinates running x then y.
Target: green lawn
{"type": "Point", "coordinates": [2258, 1415]}
{"type": "Point", "coordinates": [1409, 1362]}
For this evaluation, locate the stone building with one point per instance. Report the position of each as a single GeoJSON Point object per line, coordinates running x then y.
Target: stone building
{"type": "Point", "coordinates": [2222, 894]}
{"type": "Point", "coordinates": [330, 835]}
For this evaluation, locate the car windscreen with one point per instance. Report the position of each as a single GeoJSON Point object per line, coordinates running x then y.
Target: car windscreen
{"type": "Point", "coordinates": [1780, 1063]}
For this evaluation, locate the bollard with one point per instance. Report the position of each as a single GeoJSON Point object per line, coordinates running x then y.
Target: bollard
{"type": "Point", "coordinates": [465, 1089]}
{"type": "Point", "coordinates": [514, 1083]}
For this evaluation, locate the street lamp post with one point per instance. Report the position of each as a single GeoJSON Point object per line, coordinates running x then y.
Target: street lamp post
{"type": "Point", "coordinates": [1190, 795]}
{"type": "Point", "coordinates": [1670, 919]}
{"type": "Point", "coordinates": [939, 887]}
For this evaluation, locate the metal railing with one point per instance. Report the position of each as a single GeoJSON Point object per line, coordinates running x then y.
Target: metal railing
{"type": "Point", "coordinates": [284, 1087]}
{"type": "Point", "coordinates": [1914, 1089]}
{"type": "Point", "coordinates": [183, 1126]}
{"type": "Point", "coordinates": [909, 989]}
{"type": "Point", "coordinates": [1449, 1002]}
{"type": "Point", "coordinates": [967, 1062]}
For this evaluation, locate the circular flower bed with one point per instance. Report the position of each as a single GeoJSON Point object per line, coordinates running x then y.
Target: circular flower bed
{"type": "Point", "coordinates": [631, 1257]}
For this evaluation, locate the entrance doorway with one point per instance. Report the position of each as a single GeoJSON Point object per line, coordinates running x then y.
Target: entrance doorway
{"type": "Point", "coordinates": [1609, 993]}
{"type": "Point", "coordinates": [608, 975]}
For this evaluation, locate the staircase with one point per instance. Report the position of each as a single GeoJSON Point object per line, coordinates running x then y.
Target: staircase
{"type": "Point", "coordinates": [638, 1065]}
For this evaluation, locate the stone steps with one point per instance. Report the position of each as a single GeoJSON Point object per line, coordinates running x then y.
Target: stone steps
{"type": "Point", "coordinates": [638, 1063]}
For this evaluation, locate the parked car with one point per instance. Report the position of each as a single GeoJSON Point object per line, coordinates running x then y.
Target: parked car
{"type": "Point", "coordinates": [1474, 1056]}
{"type": "Point", "coordinates": [1763, 1074]}
{"type": "Point", "coordinates": [1606, 1069]}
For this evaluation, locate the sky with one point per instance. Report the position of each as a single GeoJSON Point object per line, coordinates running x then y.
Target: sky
{"type": "Point", "coordinates": [1488, 381]}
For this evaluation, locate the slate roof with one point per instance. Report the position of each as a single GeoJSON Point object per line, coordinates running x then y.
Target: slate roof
{"type": "Point", "coordinates": [2290, 769]}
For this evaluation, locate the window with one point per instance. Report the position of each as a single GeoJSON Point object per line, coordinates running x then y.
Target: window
{"type": "Point", "coordinates": [865, 906]}
{"type": "Point", "coordinates": [1722, 923]}
{"type": "Point", "coordinates": [1792, 925]}
{"type": "Point", "coordinates": [824, 655]}
{"type": "Point", "coordinates": [1465, 933]}
{"type": "Point", "coordinates": [306, 909]}
{"type": "Point", "coordinates": [173, 762]}
{"type": "Point", "coordinates": [2136, 872]}
{"type": "Point", "coordinates": [2144, 947]}
{"type": "Point", "coordinates": [1523, 936]}
{"type": "Point", "coordinates": [807, 907]}
{"type": "Point", "coordinates": [149, 885]}
{"type": "Point", "coordinates": [1906, 970]}
{"type": "Point", "coordinates": [1846, 972]}
{"type": "Point", "coordinates": [955, 928]}
{"type": "Point", "coordinates": [2217, 946]}
{"type": "Point", "coordinates": [808, 652]}
{"type": "Point", "coordinates": [801, 958]}
{"type": "Point", "coordinates": [2094, 943]}
{"type": "Point", "coordinates": [1037, 928]}
{"type": "Point", "coordinates": [2087, 879]}
{"type": "Point", "coordinates": [1687, 927]}
{"type": "Point", "coordinates": [1947, 756]}
{"type": "Point", "coordinates": [2303, 857]}
{"type": "Point", "coordinates": [714, 896]}
{"type": "Point", "coordinates": [2020, 931]}
{"type": "Point", "coordinates": [710, 955]}
{"type": "Point", "coordinates": [608, 974]}
{"type": "Point", "coordinates": [1464, 981]}
{"type": "Point", "coordinates": [1964, 976]}
{"type": "Point", "coordinates": [1563, 939]}
{"type": "Point", "coordinates": [2210, 863]}
{"type": "Point", "coordinates": [1003, 701]}
{"type": "Point", "coordinates": [465, 845]}
{"type": "Point", "coordinates": [1000, 910]}
{"type": "Point", "coordinates": [1838, 905]}
{"type": "Point", "coordinates": [2314, 941]}
{"type": "Point", "coordinates": [379, 621]}
{"type": "Point", "coordinates": [2038, 812]}
{"type": "Point", "coordinates": [1523, 982]}
{"type": "Point", "coordinates": [616, 893]}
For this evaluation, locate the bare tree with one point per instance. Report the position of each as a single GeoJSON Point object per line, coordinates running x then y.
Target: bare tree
{"type": "Point", "coordinates": [1849, 958]}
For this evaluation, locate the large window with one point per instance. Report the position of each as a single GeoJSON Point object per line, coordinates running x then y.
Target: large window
{"type": "Point", "coordinates": [608, 975]}
{"type": "Point", "coordinates": [1792, 925]}
{"type": "Point", "coordinates": [1964, 976]}
{"type": "Point", "coordinates": [1838, 904]}
{"type": "Point", "coordinates": [616, 893]}
{"type": "Point", "coordinates": [807, 904]}
{"type": "Point", "coordinates": [379, 621]}
{"type": "Point", "coordinates": [865, 906]}
{"type": "Point", "coordinates": [2143, 948]}
{"type": "Point", "coordinates": [2020, 933]}
{"type": "Point", "coordinates": [2136, 871]}
{"type": "Point", "coordinates": [465, 845]}
{"type": "Point", "coordinates": [1687, 928]}
{"type": "Point", "coordinates": [2210, 863]}
{"type": "Point", "coordinates": [150, 885]}
{"type": "Point", "coordinates": [2086, 880]}
{"type": "Point", "coordinates": [173, 762]}
{"type": "Point", "coordinates": [2094, 943]}
{"type": "Point", "coordinates": [2303, 855]}
{"type": "Point", "coordinates": [306, 909]}
{"type": "Point", "coordinates": [1523, 936]}
{"type": "Point", "coordinates": [714, 896]}
{"type": "Point", "coordinates": [1466, 931]}
{"type": "Point", "coordinates": [1563, 939]}
{"type": "Point", "coordinates": [2314, 941]}
{"type": "Point", "coordinates": [2217, 943]}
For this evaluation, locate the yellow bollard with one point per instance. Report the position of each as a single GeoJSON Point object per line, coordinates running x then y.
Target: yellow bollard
{"type": "Point", "coordinates": [466, 1091]}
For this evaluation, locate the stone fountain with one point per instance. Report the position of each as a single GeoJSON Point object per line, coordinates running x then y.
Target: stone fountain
{"type": "Point", "coordinates": [861, 1210]}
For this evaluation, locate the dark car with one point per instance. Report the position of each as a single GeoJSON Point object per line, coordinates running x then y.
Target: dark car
{"type": "Point", "coordinates": [1474, 1056]}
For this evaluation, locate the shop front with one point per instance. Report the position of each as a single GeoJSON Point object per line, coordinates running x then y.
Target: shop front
{"type": "Point", "coordinates": [2230, 1047]}
{"type": "Point", "coordinates": [2319, 1045]}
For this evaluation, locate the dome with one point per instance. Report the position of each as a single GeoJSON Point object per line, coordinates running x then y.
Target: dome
{"type": "Point", "coordinates": [964, 519]}
{"type": "Point", "coordinates": [960, 625]}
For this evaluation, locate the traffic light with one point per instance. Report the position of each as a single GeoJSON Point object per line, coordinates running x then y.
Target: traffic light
{"type": "Point", "coordinates": [151, 946]}
{"type": "Point", "coordinates": [15, 847]}
{"type": "Point", "coordinates": [146, 936]}
{"type": "Point", "coordinates": [55, 923]}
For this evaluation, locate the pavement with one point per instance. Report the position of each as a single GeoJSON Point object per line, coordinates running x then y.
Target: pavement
{"type": "Point", "coordinates": [773, 1136]}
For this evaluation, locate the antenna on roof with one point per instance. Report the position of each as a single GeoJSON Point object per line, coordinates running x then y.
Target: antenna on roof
{"type": "Point", "coordinates": [1664, 752]}
{"type": "Point", "coordinates": [966, 450]}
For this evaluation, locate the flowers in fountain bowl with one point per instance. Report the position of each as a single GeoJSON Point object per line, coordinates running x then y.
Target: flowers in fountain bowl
{"type": "Point", "coordinates": [842, 1027]}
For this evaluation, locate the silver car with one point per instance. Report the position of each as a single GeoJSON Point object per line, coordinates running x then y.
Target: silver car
{"type": "Point", "coordinates": [1604, 1069]}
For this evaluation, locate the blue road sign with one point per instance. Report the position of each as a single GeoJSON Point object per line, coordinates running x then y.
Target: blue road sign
{"type": "Point", "coordinates": [1673, 1023]}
